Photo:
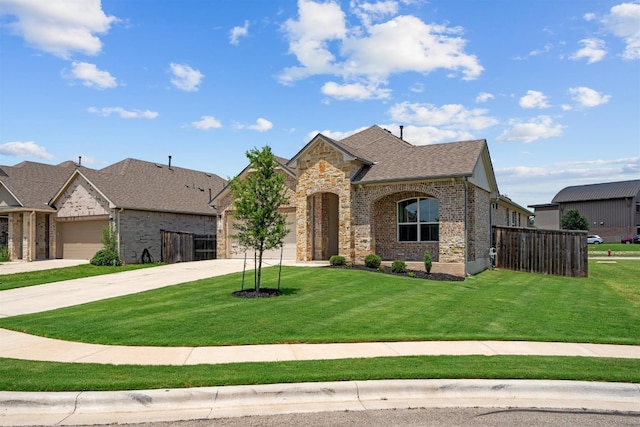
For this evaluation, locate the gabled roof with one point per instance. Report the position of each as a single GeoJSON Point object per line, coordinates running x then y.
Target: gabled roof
{"type": "Point", "coordinates": [136, 184]}
{"type": "Point", "coordinates": [33, 184]}
{"type": "Point", "coordinates": [282, 164]}
{"type": "Point", "coordinates": [603, 191]}
{"type": "Point", "coordinates": [385, 157]}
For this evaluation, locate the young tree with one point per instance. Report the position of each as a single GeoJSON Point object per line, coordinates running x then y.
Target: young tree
{"type": "Point", "coordinates": [574, 220]}
{"type": "Point", "coordinates": [257, 197]}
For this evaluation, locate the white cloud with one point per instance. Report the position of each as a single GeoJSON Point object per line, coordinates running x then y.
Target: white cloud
{"type": "Point", "coordinates": [623, 21]}
{"type": "Point", "coordinates": [589, 16]}
{"type": "Point", "coordinates": [337, 135]}
{"type": "Point", "coordinates": [237, 32]}
{"type": "Point", "coordinates": [91, 76]}
{"type": "Point", "coordinates": [370, 12]}
{"type": "Point", "coordinates": [484, 97]}
{"type": "Point", "coordinates": [186, 78]}
{"type": "Point", "coordinates": [24, 149]}
{"type": "Point", "coordinates": [593, 50]}
{"type": "Point", "coordinates": [540, 127]}
{"type": "Point", "coordinates": [324, 45]}
{"type": "Point", "coordinates": [454, 117]}
{"type": "Point", "coordinates": [124, 114]}
{"type": "Point", "coordinates": [261, 125]}
{"type": "Point", "coordinates": [59, 27]}
{"type": "Point", "coordinates": [534, 99]}
{"type": "Point", "coordinates": [587, 97]}
{"type": "Point", "coordinates": [207, 122]}
{"type": "Point", "coordinates": [356, 91]}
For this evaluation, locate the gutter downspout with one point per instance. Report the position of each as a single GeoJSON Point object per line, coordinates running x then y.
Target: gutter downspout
{"type": "Point", "coordinates": [466, 223]}
{"type": "Point", "coordinates": [118, 232]}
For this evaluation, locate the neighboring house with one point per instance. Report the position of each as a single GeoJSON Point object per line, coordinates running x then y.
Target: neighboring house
{"type": "Point", "coordinates": [375, 193]}
{"type": "Point", "coordinates": [505, 212]}
{"type": "Point", "coordinates": [612, 208]}
{"type": "Point", "coordinates": [27, 225]}
{"type": "Point", "coordinates": [137, 199]}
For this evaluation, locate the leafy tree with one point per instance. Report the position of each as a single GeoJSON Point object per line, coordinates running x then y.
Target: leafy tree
{"type": "Point", "coordinates": [574, 220]}
{"type": "Point", "coordinates": [257, 197]}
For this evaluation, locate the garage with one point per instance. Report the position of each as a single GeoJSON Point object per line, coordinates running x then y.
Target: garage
{"type": "Point", "coordinates": [79, 239]}
{"type": "Point", "coordinates": [288, 250]}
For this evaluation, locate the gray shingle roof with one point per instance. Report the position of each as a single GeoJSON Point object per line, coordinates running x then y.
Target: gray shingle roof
{"type": "Point", "coordinates": [396, 160]}
{"type": "Point", "coordinates": [136, 184]}
{"type": "Point", "coordinates": [607, 190]}
{"type": "Point", "coordinates": [34, 184]}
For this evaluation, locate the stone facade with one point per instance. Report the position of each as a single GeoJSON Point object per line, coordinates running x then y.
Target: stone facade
{"type": "Point", "coordinates": [323, 169]}
{"type": "Point", "coordinates": [224, 207]}
{"type": "Point", "coordinates": [80, 200]}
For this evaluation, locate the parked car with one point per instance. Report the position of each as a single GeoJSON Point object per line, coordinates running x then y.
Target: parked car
{"type": "Point", "coordinates": [594, 239]}
{"type": "Point", "coordinates": [631, 239]}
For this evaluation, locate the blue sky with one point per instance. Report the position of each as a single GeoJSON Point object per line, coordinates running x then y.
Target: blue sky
{"type": "Point", "coordinates": [553, 85]}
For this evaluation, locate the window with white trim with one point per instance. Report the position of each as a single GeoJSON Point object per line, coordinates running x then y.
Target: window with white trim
{"type": "Point", "coordinates": [418, 220]}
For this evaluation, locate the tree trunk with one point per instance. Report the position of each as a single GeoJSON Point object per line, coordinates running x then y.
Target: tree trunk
{"type": "Point", "coordinates": [259, 272]}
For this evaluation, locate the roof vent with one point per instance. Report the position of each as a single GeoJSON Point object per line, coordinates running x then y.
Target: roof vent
{"type": "Point", "coordinates": [158, 166]}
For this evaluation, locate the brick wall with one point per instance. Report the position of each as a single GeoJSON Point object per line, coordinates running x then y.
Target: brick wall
{"type": "Point", "coordinates": [81, 199]}
{"type": "Point", "coordinates": [140, 230]}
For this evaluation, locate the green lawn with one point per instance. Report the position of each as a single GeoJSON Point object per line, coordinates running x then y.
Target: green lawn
{"type": "Point", "coordinates": [22, 375]}
{"type": "Point", "coordinates": [341, 305]}
{"type": "Point", "coordinates": [618, 248]}
{"type": "Point", "coordinates": [19, 280]}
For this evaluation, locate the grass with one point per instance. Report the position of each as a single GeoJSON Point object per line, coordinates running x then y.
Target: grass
{"type": "Point", "coordinates": [22, 375]}
{"type": "Point", "coordinates": [618, 248]}
{"type": "Point", "coordinates": [19, 280]}
{"type": "Point", "coordinates": [341, 305]}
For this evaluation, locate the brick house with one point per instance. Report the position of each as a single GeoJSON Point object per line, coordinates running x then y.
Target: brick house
{"type": "Point", "coordinates": [375, 193]}
{"type": "Point", "coordinates": [138, 199]}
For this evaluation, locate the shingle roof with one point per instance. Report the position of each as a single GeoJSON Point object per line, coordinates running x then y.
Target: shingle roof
{"type": "Point", "coordinates": [136, 184]}
{"type": "Point", "coordinates": [607, 190]}
{"type": "Point", "coordinates": [34, 184]}
{"type": "Point", "coordinates": [395, 159]}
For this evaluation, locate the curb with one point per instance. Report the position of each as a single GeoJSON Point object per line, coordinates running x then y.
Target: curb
{"type": "Point", "coordinates": [91, 407]}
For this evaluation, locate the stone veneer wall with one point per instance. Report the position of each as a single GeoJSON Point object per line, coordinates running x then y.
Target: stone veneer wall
{"type": "Point", "coordinates": [140, 230]}
{"type": "Point", "coordinates": [323, 169]}
{"type": "Point", "coordinates": [15, 243]}
{"type": "Point", "coordinates": [225, 211]}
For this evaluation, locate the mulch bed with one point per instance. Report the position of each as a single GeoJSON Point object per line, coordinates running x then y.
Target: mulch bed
{"type": "Point", "coordinates": [419, 274]}
{"type": "Point", "coordinates": [251, 293]}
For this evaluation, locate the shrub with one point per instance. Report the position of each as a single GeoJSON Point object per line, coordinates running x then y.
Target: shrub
{"type": "Point", "coordinates": [427, 262]}
{"type": "Point", "coordinates": [399, 267]}
{"type": "Point", "coordinates": [372, 261]}
{"type": "Point", "coordinates": [411, 274]}
{"type": "Point", "coordinates": [381, 269]}
{"type": "Point", "coordinates": [106, 257]}
{"type": "Point", "coordinates": [4, 254]}
{"type": "Point", "coordinates": [337, 260]}
{"type": "Point", "coordinates": [349, 265]}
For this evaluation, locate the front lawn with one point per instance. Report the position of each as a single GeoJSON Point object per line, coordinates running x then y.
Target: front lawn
{"type": "Point", "coordinates": [342, 305]}
{"type": "Point", "coordinates": [30, 278]}
{"type": "Point", "coordinates": [617, 248]}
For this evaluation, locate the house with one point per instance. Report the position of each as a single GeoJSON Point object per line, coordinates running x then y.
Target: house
{"type": "Point", "coordinates": [376, 193]}
{"type": "Point", "coordinates": [612, 209]}
{"type": "Point", "coordinates": [137, 199]}
{"type": "Point", "coordinates": [27, 225]}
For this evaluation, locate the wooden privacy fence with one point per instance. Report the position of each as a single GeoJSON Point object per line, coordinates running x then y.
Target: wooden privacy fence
{"type": "Point", "coordinates": [556, 252]}
{"type": "Point", "coordinates": [182, 247]}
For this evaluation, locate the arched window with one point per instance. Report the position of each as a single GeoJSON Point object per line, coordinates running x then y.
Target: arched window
{"type": "Point", "coordinates": [418, 220]}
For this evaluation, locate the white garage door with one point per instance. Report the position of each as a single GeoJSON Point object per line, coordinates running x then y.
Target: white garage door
{"type": "Point", "coordinates": [81, 239]}
{"type": "Point", "coordinates": [288, 250]}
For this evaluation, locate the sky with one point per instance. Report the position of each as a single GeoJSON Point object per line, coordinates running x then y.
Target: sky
{"type": "Point", "coordinates": [552, 85]}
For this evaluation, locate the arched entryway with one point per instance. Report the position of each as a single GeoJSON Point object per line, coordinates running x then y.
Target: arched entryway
{"type": "Point", "coordinates": [324, 225]}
